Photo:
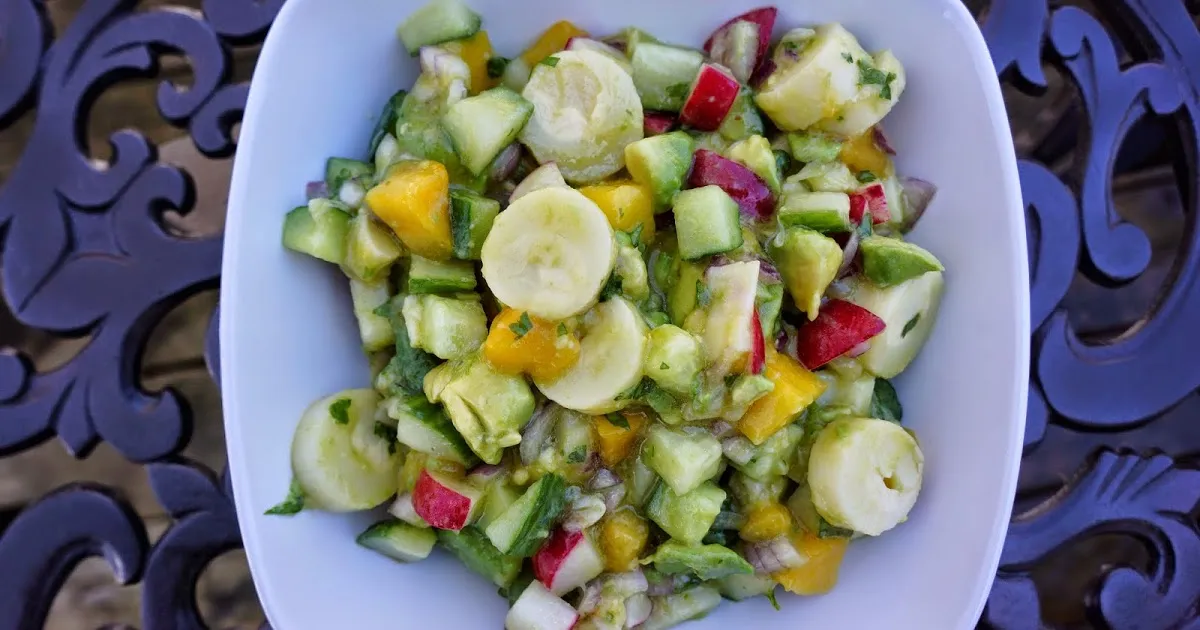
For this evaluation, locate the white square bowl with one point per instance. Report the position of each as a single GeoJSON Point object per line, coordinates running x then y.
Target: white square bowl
{"type": "Point", "coordinates": [288, 336]}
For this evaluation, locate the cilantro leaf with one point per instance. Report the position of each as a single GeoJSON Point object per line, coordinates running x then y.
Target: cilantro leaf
{"type": "Point", "coordinates": [678, 91]}
{"type": "Point", "coordinates": [635, 237]}
{"type": "Point", "coordinates": [578, 455]}
{"type": "Point", "coordinates": [496, 67]}
{"type": "Point", "coordinates": [664, 366]}
{"type": "Point", "coordinates": [771, 597]}
{"type": "Point", "coordinates": [867, 177]}
{"type": "Point", "coordinates": [549, 61]}
{"type": "Point", "coordinates": [885, 404]}
{"type": "Point", "coordinates": [387, 433]}
{"type": "Point", "coordinates": [870, 75]}
{"type": "Point", "coordinates": [562, 329]}
{"type": "Point", "coordinates": [339, 410]}
{"type": "Point", "coordinates": [405, 373]}
{"type": "Point", "coordinates": [523, 325]}
{"type": "Point", "coordinates": [618, 420]}
{"type": "Point", "coordinates": [292, 504]}
{"type": "Point", "coordinates": [612, 288]}
{"type": "Point", "coordinates": [848, 57]}
{"type": "Point", "coordinates": [912, 323]}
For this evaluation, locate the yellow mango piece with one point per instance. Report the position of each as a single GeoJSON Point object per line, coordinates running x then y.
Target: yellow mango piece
{"type": "Point", "coordinates": [521, 343]}
{"type": "Point", "coordinates": [795, 389]}
{"type": "Point", "coordinates": [616, 442]}
{"type": "Point", "coordinates": [626, 204]}
{"type": "Point", "coordinates": [623, 536]}
{"type": "Point", "coordinates": [476, 51]}
{"type": "Point", "coordinates": [820, 573]}
{"type": "Point", "coordinates": [414, 201]}
{"type": "Point", "coordinates": [765, 522]}
{"type": "Point", "coordinates": [862, 154]}
{"type": "Point", "coordinates": [552, 40]}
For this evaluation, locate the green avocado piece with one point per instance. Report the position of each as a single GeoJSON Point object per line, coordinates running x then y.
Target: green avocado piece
{"type": "Point", "coordinates": [660, 163]}
{"type": "Point", "coordinates": [687, 517]}
{"type": "Point", "coordinates": [808, 262]}
{"type": "Point", "coordinates": [487, 407]}
{"type": "Point", "coordinates": [755, 154]}
{"type": "Point", "coordinates": [889, 261]}
{"type": "Point", "coordinates": [683, 459]}
{"type": "Point", "coordinates": [706, 562]}
{"type": "Point", "coordinates": [820, 211]}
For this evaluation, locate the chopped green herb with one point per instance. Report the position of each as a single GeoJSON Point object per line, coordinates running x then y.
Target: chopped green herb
{"type": "Point", "coordinates": [848, 57]}
{"type": "Point", "coordinates": [562, 329]}
{"type": "Point", "coordinates": [292, 504]}
{"type": "Point", "coordinates": [612, 288]}
{"type": "Point", "coordinates": [912, 323]}
{"type": "Point", "coordinates": [618, 420]}
{"type": "Point", "coordinates": [867, 177]}
{"type": "Point", "coordinates": [578, 455]}
{"type": "Point", "coordinates": [496, 67]}
{"type": "Point", "coordinates": [339, 410]}
{"type": "Point", "coordinates": [771, 597]}
{"type": "Point", "coordinates": [791, 48]}
{"type": "Point", "coordinates": [865, 227]}
{"type": "Point", "coordinates": [523, 325]}
{"type": "Point", "coordinates": [870, 75]}
{"type": "Point", "coordinates": [387, 433]}
{"type": "Point", "coordinates": [550, 61]}
{"type": "Point", "coordinates": [664, 366]}
{"type": "Point", "coordinates": [703, 294]}
{"type": "Point", "coordinates": [678, 91]}
{"type": "Point", "coordinates": [885, 403]}
{"type": "Point", "coordinates": [635, 236]}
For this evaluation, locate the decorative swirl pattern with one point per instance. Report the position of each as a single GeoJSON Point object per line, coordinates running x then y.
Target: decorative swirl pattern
{"type": "Point", "coordinates": [73, 229]}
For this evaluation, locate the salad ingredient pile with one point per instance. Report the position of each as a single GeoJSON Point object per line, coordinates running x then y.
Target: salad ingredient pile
{"type": "Point", "coordinates": [631, 310]}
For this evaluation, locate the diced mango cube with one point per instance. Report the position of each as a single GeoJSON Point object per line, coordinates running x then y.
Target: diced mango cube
{"type": "Point", "coordinates": [414, 201]}
{"type": "Point", "coordinates": [795, 389]}
{"type": "Point", "coordinates": [819, 573]}
{"type": "Point", "coordinates": [521, 343]}
{"type": "Point", "coordinates": [626, 204]}
{"type": "Point", "coordinates": [765, 522]}
{"type": "Point", "coordinates": [476, 51]}
{"type": "Point", "coordinates": [623, 536]}
{"type": "Point", "coordinates": [617, 441]}
{"type": "Point", "coordinates": [552, 40]}
{"type": "Point", "coordinates": [861, 153]}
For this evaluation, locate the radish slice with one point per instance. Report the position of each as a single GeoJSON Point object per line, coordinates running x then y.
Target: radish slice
{"type": "Point", "coordinates": [838, 329]}
{"type": "Point", "coordinates": [871, 198]}
{"type": "Point", "coordinates": [444, 503]}
{"type": "Point", "coordinates": [656, 123]}
{"type": "Point", "coordinates": [566, 561]}
{"type": "Point", "coordinates": [710, 99]}
{"type": "Point", "coordinates": [749, 191]}
{"type": "Point", "coordinates": [763, 18]}
{"type": "Point", "coordinates": [758, 349]}
{"type": "Point", "coordinates": [539, 609]}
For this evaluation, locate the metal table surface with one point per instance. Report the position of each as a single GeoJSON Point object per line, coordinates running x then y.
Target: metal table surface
{"type": "Point", "coordinates": [1105, 103]}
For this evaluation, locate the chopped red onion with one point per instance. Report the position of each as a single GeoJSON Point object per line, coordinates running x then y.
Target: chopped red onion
{"type": "Point", "coordinates": [485, 472]}
{"type": "Point", "coordinates": [859, 349]}
{"type": "Point", "coordinates": [505, 163]}
{"type": "Point", "coordinates": [848, 253]}
{"type": "Point", "coordinates": [785, 343]}
{"type": "Point", "coordinates": [584, 512]}
{"type": "Point", "coordinates": [589, 601]}
{"type": "Point", "coordinates": [764, 70]}
{"type": "Point", "coordinates": [881, 140]}
{"type": "Point", "coordinates": [604, 478]}
{"type": "Point", "coordinates": [918, 194]}
{"type": "Point", "coordinates": [637, 609]}
{"type": "Point", "coordinates": [316, 190]}
{"type": "Point", "coordinates": [612, 496]}
{"type": "Point", "coordinates": [767, 272]}
{"type": "Point", "coordinates": [720, 429]}
{"type": "Point", "coordinates": [773, 555]}
{"type": "Point", "coordinates": [536, 432]}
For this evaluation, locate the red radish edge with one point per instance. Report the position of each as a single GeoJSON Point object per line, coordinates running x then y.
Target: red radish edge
{"type": "Point", "coordinates": [873, 198]}
{"type": "Point", "coordinates": [553, 553]}
{"type": "Point", "coordinates": [439, 505]}
{"type": "Point", "coordinates": [752, 195]}
{"type": "Point", "coordinates": [656, 123]}
{"type": "Point", "coordinates": [710, 99]}
{"type": "Point", "coordinates": [839, 328]}
{"type": "Point", "coordinates": [764, 17]}
{"type": "Point", "coordinates": [758, 350]}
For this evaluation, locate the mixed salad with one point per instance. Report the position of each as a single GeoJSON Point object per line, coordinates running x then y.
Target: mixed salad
{"type": "Point", "coordinates": [631, 309]}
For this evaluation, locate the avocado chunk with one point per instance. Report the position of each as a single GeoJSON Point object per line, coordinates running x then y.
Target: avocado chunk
{"type": "Point", "coordinates": [746, 389]}
{"type": "Point", "coordinates": [749, 492]}
{"type": "Point", "coordinates": [820, 211]}
{"type": "Point", "coordinates": [673, 359]}
{"type": "Point", "coordinates": [487, 407]}
{"type": "Point", "coordinates": [479, 555]}
{"type": "Point", "coordinates": [629, 272]}
{"type": "Point", "coordinates": [755, 154]}
{"type": "Point", "coordinates": [446, 327]}
{"type": "Point", "coordinates": [808, 262]}
{"type": "Point", "coordinates": [686, 517]}
{"type": "Point", "coordinates": [370, 249]}
{"type": "Point", "coordinates": [772, 458]}
{"type": "Point", "coordinates": [889, 261]}
{"type": "Point", "coordinates": [683, 459]}
{"type": "Point", "coordinates": [706, 562]}
{"type": "Point", "coordinates": [660, 163]}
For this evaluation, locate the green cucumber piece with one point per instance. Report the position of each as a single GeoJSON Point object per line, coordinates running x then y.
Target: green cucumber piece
{"type": "Point", "coordinates": [386, 122]}
{"type": "Point", "coordinates": [749, 492]}
{"type": "Point", "coordinates": [772, 458]}
{"type": "Point", "coordinates": [419, 134]}
{"type": "Point", "coordinates": [471, 218]}
{"type": "Point", "coordinates": [743, 120]}
{"type": "Point", "coordinates": [370, 249]}
{"type": "Point", "coordinates": [682, 297]}
{"type": "Point", "coordinates": [398, 540]}
{"type": "Point", "coordinates": [523, 526]}
{"type": "Point", "coordinates": [663, 74]}
{"type": "Point", "coordinates": [820, 211]}
{"type": "Point", "coordinates": [431, 276]}
{"type": "Point", "coordinates": [672, 610]}
{"type": "Point", "coordinates": [706, 562]}
{"type": "Point", "coordinates": [706, 222]}
{"type": "Point", "coordinates": [425, 427]}
{"type": "Point", "coordinates": [480, 127]}
{"type": "Point", "coordinates": [740, 587]}
{"type": "Point", "coordinates": [687, 517]}
{"type": "Point", "coordinates": [683, 459]}
{"type": "Point", "coordinates": [888, 261]}
{"type": "Point", "coordinates": [338, 171]}
{"type": "Point", "coordinates": [446, 327]}
{"type": "Point", "coordinates": [500, 496]}
{"type": "Point", "coordinates": [321, 236]}
{"type": "Point", "coordinates": [661, 164]}
{"type": "Point", "coordinates": [437, 22]}
{"type": "Point", "coordinates": [375, 331]}
{"type": "Point", "coordinates": [813, 147]}
{"type": "Point", "coordinates": [475, 551]}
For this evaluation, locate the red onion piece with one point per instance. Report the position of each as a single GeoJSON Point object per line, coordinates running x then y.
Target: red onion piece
{"type": "Point", "coordinates": [918, 194]}
{"type": "Point", "coordinates": [604, 478]}
{"type": "Point", "coordinates": [316, 190]}
{"type": "Point", "coordinates": [764, 70]}
{"type": "Point", "coordinates": [720, 429]}
{"type": "Point", "coordinates": [849, 251]}
{"type": "Point", "coordinates": [773, 555]}
{"type": "Point", "coordinates": [584, 512]}
{"type": "Point", "coordinates": [486, 472]}
{"type": "Point", "coordinates": [612, 496]}
{"type": "Point", "coordinates": [534, 437]}
{"type": "Point", "coordinates": [629, 582]}
{"type": "Point", "coordinates": [881, 140]}
{"type": "Point", "coordinates": [505, 163]}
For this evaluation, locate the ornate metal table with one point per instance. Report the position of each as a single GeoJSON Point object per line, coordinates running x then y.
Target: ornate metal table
{"type": "Point", "coordinates": [1105, 103]}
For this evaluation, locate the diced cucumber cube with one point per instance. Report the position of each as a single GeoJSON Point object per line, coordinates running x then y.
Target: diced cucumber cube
{"type": "Point", "coordinates": [424, 427]}
{"type": "Point", "coordinates": [322, 236]}
{"type": "Point", "coordinates": [660, 163]}
{"type": "Point", "coordinates": [706, 222]}
{"type": "Point", "coordinates": [523, 526]}
{"type": "Point", "coordinates": [431, 276]}
{"type": "Point", "coordinates": [687, 517]}
{"type": "Point", "coordinates": [743, 120]}
{"type": "Point", "coordinates": [376, 331]}
{"type": "Point", "coordinates": [500, 496]}
{"type": "Point", "coordinates": [663, 74]}
{"type": "Point", "coordinates": [673, 359]}
{"type": "Point", "coordinates": [829, 177]}
{"type": "Point", "coordinates": [398, 540]}
{"type": "Point", "coordinates": [482, 126]}
{"type": "Point", "coordinates": [772, 458]}
{"type": "Point", "coordinates": [338, 171]}
{"type": "Point", "coordinates": [386, 122]}
{"type": "Point", "coordinates": [479, 555]}
{"type": "Point", "coordinates": [436, 22]}
{"type": "Point", "coordinates": [813, 147]}
{"type": "Point", "coordinates": [683, 459]}
{"type": "Point", "coordinates": [820, 211]}
{"type": "Point", "coordinates": [370, 249]}
{"type": "Point", "coordinates": [471, 218]}
{"type": "Point", "coordinates": [446, 327]}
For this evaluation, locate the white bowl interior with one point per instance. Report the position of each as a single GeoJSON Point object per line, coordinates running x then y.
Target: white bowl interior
{"type": "Point", "coordinates": [288, 337]}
